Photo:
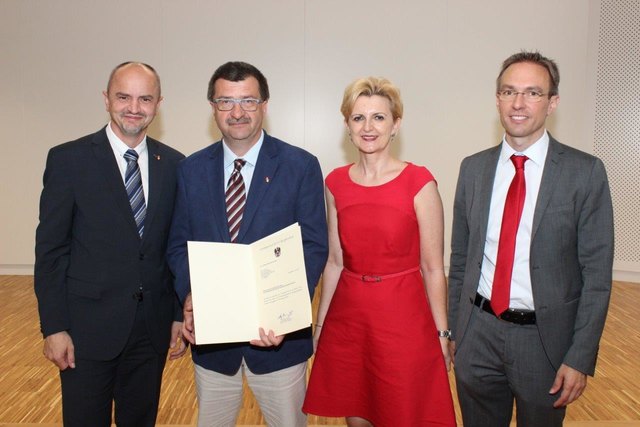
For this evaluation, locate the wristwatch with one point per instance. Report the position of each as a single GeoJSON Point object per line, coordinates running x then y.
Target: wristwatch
{"type": "Point", "coordinates": [445, 334]}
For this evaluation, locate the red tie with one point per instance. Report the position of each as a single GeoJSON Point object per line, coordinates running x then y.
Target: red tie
{"type": "Point", "coordinates": [507, 245]}
{"type": "Point", "coordinates": [235, 198]}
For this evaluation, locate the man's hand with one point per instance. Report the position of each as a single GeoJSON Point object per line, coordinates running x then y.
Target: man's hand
{"type": "Point", "coordinates": [188, 329]}
{"type": "Point", "coordinates": [269, 340]}
{"type": "Point", "coordinates": [177, 345]}
{"type": "Point", "coordinates": [59, 349]}
{"type": "Point", "coordinates": [571, 382]}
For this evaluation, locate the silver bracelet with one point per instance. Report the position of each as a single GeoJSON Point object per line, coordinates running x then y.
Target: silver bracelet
{"type": "Point", "coordinates": [445, 334]}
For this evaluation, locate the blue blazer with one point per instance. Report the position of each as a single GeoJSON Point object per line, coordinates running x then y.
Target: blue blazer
{"type": "Point", "coordinates": [287, 187]}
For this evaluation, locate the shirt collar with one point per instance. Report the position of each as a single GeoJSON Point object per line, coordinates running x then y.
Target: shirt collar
{"type": "Point", "coordinates": [120, 147]}
{"type": "Point", "coordinates": [537, 152]}
{"type": "Point", "coordinates": [250, 156]}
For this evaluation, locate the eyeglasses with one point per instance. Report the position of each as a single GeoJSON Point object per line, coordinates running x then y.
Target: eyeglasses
{"type": "Point", "coordinates": [227, 104]}
{"type": "Point", "coordinates": [529, 95]}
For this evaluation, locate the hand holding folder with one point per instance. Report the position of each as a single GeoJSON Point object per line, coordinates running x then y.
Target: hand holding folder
{"type": "Point", "coordinates": [240, 291]}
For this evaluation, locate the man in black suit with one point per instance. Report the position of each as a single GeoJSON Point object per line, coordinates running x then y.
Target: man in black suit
{"type": "Point", "coordinates": [108, 312]}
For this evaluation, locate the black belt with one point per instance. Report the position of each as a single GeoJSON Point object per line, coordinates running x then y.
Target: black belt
{"type": "Point", "coordinates": [520, 317]}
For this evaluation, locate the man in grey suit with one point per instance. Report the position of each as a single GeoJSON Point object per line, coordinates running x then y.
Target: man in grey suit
{"type": "Point", "coordinates": [554, 277]}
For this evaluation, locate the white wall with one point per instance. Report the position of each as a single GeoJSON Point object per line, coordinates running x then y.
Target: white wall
{"type": "Point", "coordinates": [444, 56]}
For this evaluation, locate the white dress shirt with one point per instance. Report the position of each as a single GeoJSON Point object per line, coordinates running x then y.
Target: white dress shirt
{"type": "Point", "coordinates": [119, 148]}
{"type": "Point", "coordinates": [251, 157]}
{"type": "Point", "coordinates": [521, 296]}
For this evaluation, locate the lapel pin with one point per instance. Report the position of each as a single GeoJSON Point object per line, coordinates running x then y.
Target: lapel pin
{"type": "Point", "coordinates": [267, 179]}
{"type": "Point", "coordinates": [157, 156]}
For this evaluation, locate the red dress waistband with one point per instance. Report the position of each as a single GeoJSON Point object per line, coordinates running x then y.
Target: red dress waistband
{"type": "Point", "coordinates": [381, 277]}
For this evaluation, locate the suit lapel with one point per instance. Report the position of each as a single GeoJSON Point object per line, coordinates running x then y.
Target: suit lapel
{"type": "Point", "coordinates": [484, 188]}
{"type": "Point", "coordinates": [263, 176]}
{"type": "Point", "coordinates": [216, 188]}
{"type": "Point", "coordinates": [548, 184]}
{"type": "Point", "coordinates": [107, 167]}
{"type": "Point", "coordinates": [157, 172]}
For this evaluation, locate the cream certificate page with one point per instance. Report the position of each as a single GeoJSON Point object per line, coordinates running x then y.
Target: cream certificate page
{"type": "Point", "coordinates": [239, 288]}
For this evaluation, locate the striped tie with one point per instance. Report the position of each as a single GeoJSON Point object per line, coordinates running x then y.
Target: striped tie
{"type": "Point", "coordinates": [133, 184]}
{"type": "Point", "coordinates": [235, 198]}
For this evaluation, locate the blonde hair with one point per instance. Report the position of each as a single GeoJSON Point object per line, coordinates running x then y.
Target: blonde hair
{"type": "Point", "coordinates": [369, 86]}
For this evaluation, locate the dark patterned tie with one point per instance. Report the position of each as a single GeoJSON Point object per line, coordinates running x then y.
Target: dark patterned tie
{"type": "Point", "coordinates": [133, 184]}
{"type": "Point", "coordinates": [501, 288]}
{"type": "Point", "coordinates": [235, 198]}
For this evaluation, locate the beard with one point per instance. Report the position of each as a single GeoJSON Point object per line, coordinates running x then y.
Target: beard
{"type": "Point", "coordinates": [133, 129]}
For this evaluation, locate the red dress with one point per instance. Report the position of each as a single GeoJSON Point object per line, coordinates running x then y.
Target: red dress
{"type": "Point", "coordinates": [379, 354]}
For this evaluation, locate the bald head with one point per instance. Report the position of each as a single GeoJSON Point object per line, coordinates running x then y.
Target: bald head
{"type": "Point", "coordinates": [132, 99]}
{"type": "Point", "coordinates": [131, 64]}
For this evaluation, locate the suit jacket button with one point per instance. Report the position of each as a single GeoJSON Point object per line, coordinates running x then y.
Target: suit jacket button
{"type": "Point", "coordinates": [141, 257]}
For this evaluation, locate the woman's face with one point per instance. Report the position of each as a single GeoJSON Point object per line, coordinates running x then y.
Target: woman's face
{"type": "Point", "coordinates": [371, 124]}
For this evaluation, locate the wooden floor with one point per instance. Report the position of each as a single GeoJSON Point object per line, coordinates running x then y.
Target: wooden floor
{"type": "Point", "coordinates": [30, 390]}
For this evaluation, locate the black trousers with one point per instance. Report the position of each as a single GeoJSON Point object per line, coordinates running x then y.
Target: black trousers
{"type": "Point", "coordinates": [131, 380]}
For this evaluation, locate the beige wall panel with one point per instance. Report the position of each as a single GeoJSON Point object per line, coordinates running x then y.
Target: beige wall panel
{"type": "Point", "coordinates": [443, 54]}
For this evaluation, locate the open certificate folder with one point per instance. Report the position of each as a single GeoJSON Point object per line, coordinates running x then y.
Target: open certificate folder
{"type": "Point", "coordinates": [238, 288]}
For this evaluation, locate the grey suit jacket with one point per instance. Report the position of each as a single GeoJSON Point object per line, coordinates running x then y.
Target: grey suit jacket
{"type": "Point", "coordinates": [571, 254]}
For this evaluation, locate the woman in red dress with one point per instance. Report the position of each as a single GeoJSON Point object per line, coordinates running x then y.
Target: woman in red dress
{"type": "Point", "coordinates": [382, 338]}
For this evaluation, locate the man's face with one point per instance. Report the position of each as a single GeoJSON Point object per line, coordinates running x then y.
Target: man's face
{"type": "Point", "coordinates": [240, 128]}
{"type": "Point", "coordinates": [132, 102]}
{"type": "Point", "coordinates": [524, 121]}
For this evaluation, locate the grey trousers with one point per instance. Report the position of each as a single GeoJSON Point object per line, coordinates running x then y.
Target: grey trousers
{"type": "Point", "coordinates": [499, 363]}
{"type": "Point", "coordinates": [280, 395]}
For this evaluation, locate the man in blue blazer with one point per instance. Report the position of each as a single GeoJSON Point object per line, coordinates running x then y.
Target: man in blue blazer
{"type": "Point", "coordinates": [539, 345]}
{"type": "Point", "coordinates": [279, 185]}
{"type": "Point", "coordinates": [108, 310]}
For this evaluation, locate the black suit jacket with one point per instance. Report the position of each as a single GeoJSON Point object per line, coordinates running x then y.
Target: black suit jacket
{"type": "Point", "coordinates": [89, 257]}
